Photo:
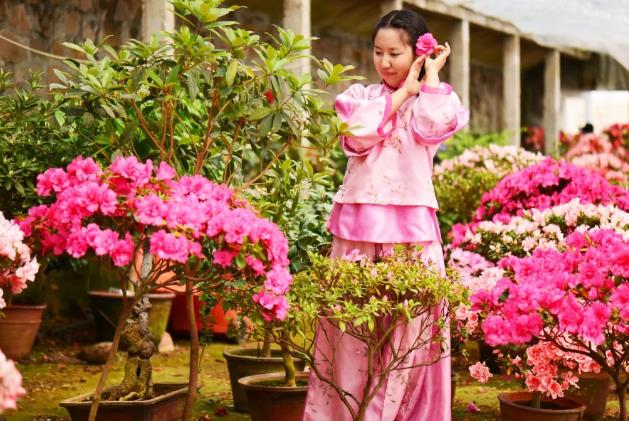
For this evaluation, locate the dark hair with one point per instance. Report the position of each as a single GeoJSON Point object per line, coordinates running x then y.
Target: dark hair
{"type": "Point", "coordinates": [409, 22]}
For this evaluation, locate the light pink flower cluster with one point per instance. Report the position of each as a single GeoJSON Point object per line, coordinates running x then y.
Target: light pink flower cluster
{"type": "Point", "coordinates": [425, 44]}
{"type": "Point", "coordinates": [480, 372]}
{"type": "Point", "coordinates": [10, 384]}
{"type": "Point", "coordinates": [520, 235]}
{"type": "Point", "coordinates": [112, 211]}
{"type": "Point", "coordinates": [499, 160]}
{"type": "Point", "coordinates": [547, 184]}
{"type": "Point", "coordinates": [579, 293]}
{"type": "Point", "coordinates": [16, 266]}
{"type": "Point", "coordinates": [598, 153]}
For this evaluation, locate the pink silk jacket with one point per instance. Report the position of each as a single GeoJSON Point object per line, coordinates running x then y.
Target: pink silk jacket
{"type": "Point", "coordinates": [390, 160]}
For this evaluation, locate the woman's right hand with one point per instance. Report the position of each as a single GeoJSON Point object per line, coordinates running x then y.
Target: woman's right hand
{"type": "Point", "coordinates": [412, 85]}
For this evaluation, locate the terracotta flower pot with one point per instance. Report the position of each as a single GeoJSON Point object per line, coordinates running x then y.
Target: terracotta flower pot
{"type": "Point", "coordinates": [18, 329]}
{"type": "Point", "coordinates": [515, 406]}
{"type": "Point", "coordinates": [107, 306]}
{"type": "Point", "coordinates": [592, 392]}
{"type": "Point", "coordinates": [268, 402]}
{"type": "Point", "coordinates": [166, 406]}
{"type": "Point", "coordinates": [244, 362]}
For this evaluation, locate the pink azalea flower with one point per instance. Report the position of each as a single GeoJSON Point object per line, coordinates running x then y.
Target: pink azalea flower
{"type": "Point", "coordinates": [480, 372]}
{"type": "Point", "coordinates": [425, 44]}
{"type": "Point", "coordinates": [10, 384]}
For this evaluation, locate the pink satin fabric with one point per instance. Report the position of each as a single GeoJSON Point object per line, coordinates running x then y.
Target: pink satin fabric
{"type": "Point", "coordinates": [384, 224]}
{"type": "Point", "coordinates": [416, 394]}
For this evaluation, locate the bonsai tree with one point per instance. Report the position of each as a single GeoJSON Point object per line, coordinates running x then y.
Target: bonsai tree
{"type": "Point", "coordinates": [195, 228]}
{"type": "Point", "coordinates": [573, 299]}
{"type": "Point", "coordinates": [368, 301]}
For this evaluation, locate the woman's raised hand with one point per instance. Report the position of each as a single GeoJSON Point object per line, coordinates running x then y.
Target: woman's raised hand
{"type": "Point", "coordinates": [436, 63]}
{"type": "Point", "coordinates": [412, 85]}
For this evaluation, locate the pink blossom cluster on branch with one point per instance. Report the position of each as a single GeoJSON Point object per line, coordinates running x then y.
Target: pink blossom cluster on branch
{"type": "Point", "coordinates": [580, 293]}
{"type": "Point", "coordinates": [16, 265]}
{"type": "Point", "coordinates": [10, 384]}
{"type": "Point", "coordinates": [113, 211]}
{"type": "Point", "coordinates": [547, 184]}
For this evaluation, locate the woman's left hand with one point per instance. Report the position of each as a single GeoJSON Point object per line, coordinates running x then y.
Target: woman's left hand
{"type": "Point", "coordinates": [436, 63]}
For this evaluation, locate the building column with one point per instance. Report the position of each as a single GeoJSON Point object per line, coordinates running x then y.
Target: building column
{"type": "Point", "coordinates": [297, 19]}
{"type": "Point", "coordinates": [387, 6]}
{"type": "Point", "coordinates": [157, 16]}
{"type": "Point", "coordinates": [511, 87]}
{"type": "Point", "coordinates": [552, 99]}
{"type": "Point", "coordinates": [460, 60]}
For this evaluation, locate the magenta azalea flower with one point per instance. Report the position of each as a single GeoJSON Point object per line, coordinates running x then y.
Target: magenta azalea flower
{"type": "Point", "coordinates": [425, 44]}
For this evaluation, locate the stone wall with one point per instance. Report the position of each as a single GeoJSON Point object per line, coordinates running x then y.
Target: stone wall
{"type": "Point", "coordinates": [45, 24]}
{"type": "Point", "coordinates": [486, 101]}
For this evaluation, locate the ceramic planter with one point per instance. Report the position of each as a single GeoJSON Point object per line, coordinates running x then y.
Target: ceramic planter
{"type": "Point", "coordinates": [18, 329]}
{"type": "Point", "coordinates": [166, 406]}
{"type": "Point", "coordinates": [592, 392]}
{"type": "Point", "coordinates": [244, 362]}
{"type": "Point", "coordinates": [107, 306]}
{"type": "Point", "coordinates": [274, 403]}
{"type": "Point", "coordinates": [514, 406]}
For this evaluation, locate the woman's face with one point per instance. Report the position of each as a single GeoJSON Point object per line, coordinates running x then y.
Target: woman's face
{"type": "Point", "coordinates": [392, 56]}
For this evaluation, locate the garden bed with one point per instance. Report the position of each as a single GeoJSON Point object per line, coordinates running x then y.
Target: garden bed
{"type": "Point", "coordinates": [52, 373]}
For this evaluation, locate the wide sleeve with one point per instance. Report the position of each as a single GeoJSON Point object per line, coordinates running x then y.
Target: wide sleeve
{"type": "Point", "coordinates": [437, 114]}
{"type": "Point", "coordinates": [366, 118]}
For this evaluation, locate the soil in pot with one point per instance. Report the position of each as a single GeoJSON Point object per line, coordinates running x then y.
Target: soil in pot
{"type": "Point", "coordinates": [275, 403]}
{"type": "Point", "coordinates": [167, 405]}
{"type": "Point", "coordinates": [107, 306]}
{"type": "Point", "coordinates": [516, 406]}
{"type": "Point", "coordinates": [18, 329]}
{"type": "Point", "coordinates": [244, 362]}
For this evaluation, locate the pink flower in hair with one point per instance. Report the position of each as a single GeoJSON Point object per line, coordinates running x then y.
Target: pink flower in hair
{"type": "Point", "coordinates": [425, 44]}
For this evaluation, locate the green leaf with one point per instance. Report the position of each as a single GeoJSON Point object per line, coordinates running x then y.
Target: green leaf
{"type": "Point", "coordinates": [230, 74]}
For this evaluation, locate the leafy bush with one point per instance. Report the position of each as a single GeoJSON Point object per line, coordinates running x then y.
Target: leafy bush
{"type": "Point", "coordinates": [460, 182]}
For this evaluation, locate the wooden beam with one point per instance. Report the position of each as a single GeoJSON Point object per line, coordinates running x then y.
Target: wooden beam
{"type": "Point", "coordinates": [511, 87]}
{"type": "Point", "coordinates": [387, 6]}
{"type": "Point", "coordinates": [297, 19]}
{"type": "Point", "coordinates": [460, 60]}
{"type": "Point", "coordinates": [489, 22]}
{"type": "Point", "coordinates": [157, 16]}
{"type": "Point", "coordinates": [552, 98]}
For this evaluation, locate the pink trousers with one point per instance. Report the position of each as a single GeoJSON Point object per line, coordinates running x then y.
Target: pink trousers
{"type": "Point", "coordinates": [420, 393]}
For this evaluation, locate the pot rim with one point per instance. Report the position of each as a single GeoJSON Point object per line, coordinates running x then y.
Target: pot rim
{"type": "Point", "coordinates": [241, 354]}
{"type": "Point", "coordinates": [502, 397]}
{"type": "Point", "coordinates": [118, 294]}
{"type": "Point", "coordinates": [78, 401]}
{"type": "Point", "coordinates": [250, 382]}
{"type": "Point", "coordinates": [25, 307]}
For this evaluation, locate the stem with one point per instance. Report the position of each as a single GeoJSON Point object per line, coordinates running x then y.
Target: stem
{"type": "Point", "coordinates": [621, 390]}
{"type": "Point", "coordinates": [266, 344]}
{"type": "Point", "coordinates": [537, 400]}
{"type": "Point", "coordinates": [126, 310]}
{"type": "Point", "coordinates": [289, 364]}
{"type": "Point", "coordinates": [194, 352]}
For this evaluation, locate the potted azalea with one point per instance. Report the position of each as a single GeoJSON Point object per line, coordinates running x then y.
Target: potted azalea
{"type": "Point", "coordinates": [368, 301]}
{"type": "Point", "coordinates": [214, 99]}
{"type": "Point", "coordinates": [477, 253]}
{"type": "Point", "coordinates": [188, 223]}
{"type": "Point", "coordinates": [16, 269]}
{"type": "Point", "coordinates": [564, 307]}
{"type": "Point", "coordinates": [18, 323]}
